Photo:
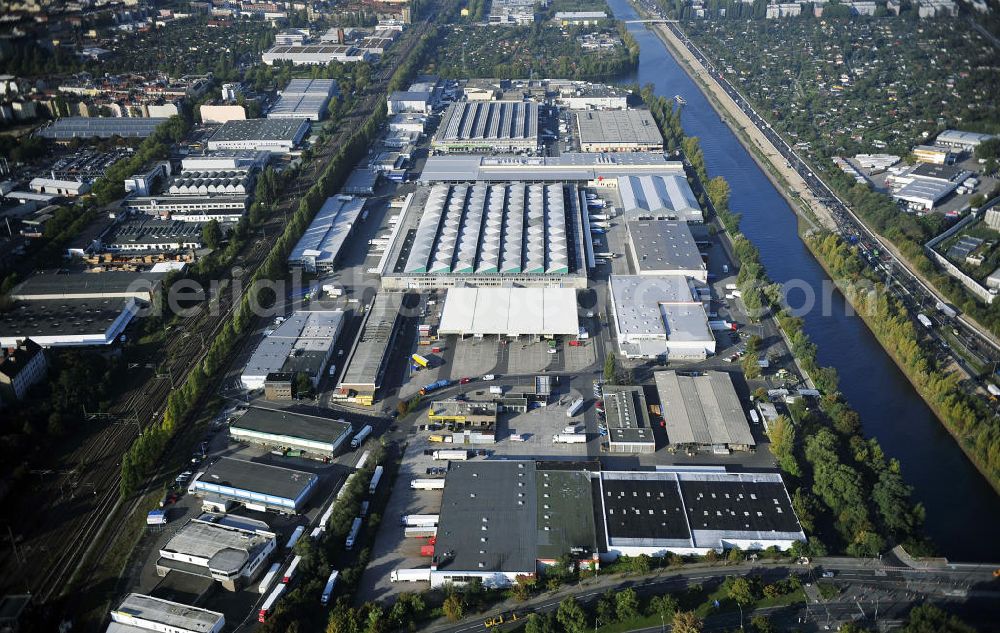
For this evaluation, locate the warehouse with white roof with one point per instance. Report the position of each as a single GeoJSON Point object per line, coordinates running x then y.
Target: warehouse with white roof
{"type": "Point", "coordinates": [319, 247]}
{"type": "Point", "coordinates": [660, 317]}
{"type": "Point", "coordinates": [491, 126]}
{"type": "Point", "coordinates": [488, 235]}
{"type": "Point", "coordinates": [303, 343]}
{"type": "Point", "coordinates": [703, 412]}
{"type": "Point", "coordinates": [510, 312]}
{"type": "Point", "coordinates": [659, 197]}
{"type": "Point", "coordinates": [305, 99]}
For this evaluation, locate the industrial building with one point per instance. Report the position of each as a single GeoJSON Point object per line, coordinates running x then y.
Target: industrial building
{"type": "Point", "coordinates": [200, 196]}
{"type": "Point", "coordinates": [304, 99]}
{"type": "Point", "coordinates": [510, 312]}
{"type": "Point", "coordinates": [469, 422]}
{"type": "Point", "coordinates": [259, 487]}
{"type": "Point", "coordinates": [504, 519]}
{"type": "Point", "coordinates": [361, 182]}
{"type": "Point", "coordinates": [585, 18]}
{"type": "Point", "coordinates": [107, 285]}
{"type": "Point", "coordinates": [319, 247]}
{"type": "Point", "coordinates": [703, 412]}
{"type": "Point", "coordinates": [274, 135]}
{"type": "Point", "coordinates": [303, 343]}
{"type": "Point", "coordinates": [488, 235]}
{"type": "Point", "coordinates": [659, 197]}
{"type": "Point", "coordinates": [660, 317]}
{"type": "Point", "coordinates": [617, 131]}
{"type": "Point", "coordinates": [21, 366]}
{"type": "Point", "coordinates": [927, 185]}
{"type": "Point", "coordinates": [222, 113]}
{"type": "Point", "coordinates": [223, 160]}
{"type": "Point", "coordinates": [67, 188]}
{"type": "Point", "coordinates": [65, 129]}
{"type": "Point", "coordinates": [231, 550]}
{"type": "Point", "coordinates": [316, 437]}
{"type": "Point", "coordinates": [146, 234]}
{"type": "Point", "coordinates": [933, 154]}
{"type": "Point", "coordinates": [662, 247]}
{"type": "Point", "coordinates": [420, 102]}
{"type": "Point", "coordinates": [367, 362]}
{"type": "Point", "coordinates": [488, 126]}
{"type": "Point", "coordinates": [964, 141]}
{"type": "Point", "coordinates": [315, 54]}
{"type": "Point", "coordinates": [138, 612]}
{"type": "Point", "coordinates": [627, 418]}
{"type": "Point", "coordinates": [601, 170]}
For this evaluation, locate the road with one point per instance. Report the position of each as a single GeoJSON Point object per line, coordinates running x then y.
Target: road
{"type": "Point", "coordinates": [907, 285]}
{"type": "Point", "coordinates": [868, 587]}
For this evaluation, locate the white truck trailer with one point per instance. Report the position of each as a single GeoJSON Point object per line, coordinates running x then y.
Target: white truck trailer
{"type": "Point", "coordinates": [410, 575]}
{"type": "Point", "coordinates": [427, 484]}
{"type": "Point", "coordinates": [419, 520]}
{"type": "Point", "coordinates": [376, 478]}
{"type": "Point", "coordinates": [569, 438]}
{"type": "Point", "coordinates": [359, 439]}
{"type": "Point", "coordinates": [451, 455]}
{"type": "Point", "coordinates": [352, 536]}
{"type": "Point", "coordinates": [574, 408]}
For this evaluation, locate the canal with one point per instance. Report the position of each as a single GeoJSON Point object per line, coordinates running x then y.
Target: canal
{"type": "Point", "coordinates": [962, 508]}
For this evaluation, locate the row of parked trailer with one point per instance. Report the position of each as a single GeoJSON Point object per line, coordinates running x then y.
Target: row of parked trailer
{"type": "Point", "coordinates": [289, 574]}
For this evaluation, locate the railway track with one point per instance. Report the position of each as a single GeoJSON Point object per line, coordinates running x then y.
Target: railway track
{"type": "Point", "coordinates": [79, 539]}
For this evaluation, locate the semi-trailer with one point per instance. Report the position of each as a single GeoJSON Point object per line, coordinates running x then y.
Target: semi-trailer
{"type": "Point", "coordinates": [574, 408]}
{"type": "Point", "coordinates": [420, 360]}
{"type": "Point", "coordinates": [569, 438]}
{"type": "Point", "coordinates": [294, 538]}
{"type": "Point", "coordinates": [269, 578]}
{"type": "Point", "coordinates": [434, 386]}
{"type": "Point", "coordinates": [365, 505]}
{"type": "Point", "coordinates": [721, 326]}
{"type": "Point", "coordinates": [427, 484]}
{"type": "Point", "coordinates": [352, 536]}
{"type": "Point", "coordinates": [376, 478]}
{"type": "Point", "coordinates": [451, 455]}
{"type": "Point", "coordinates": [362, 460]}
{"type": "Point", "coordinates": [316, 533]}
{"type": "Point", "coordinates": [268, 606]}
{"type": "Point", "coordinates": [925, 321]}
{"type": "Point", "coordinates": [410, 575]}
{"type": "Point", "coordinates": [419, 520]}
{"type": "Point", "coordinates": [420, 531]}
{"type": "Point", "coordinates": [360, 437]}
{"type": "Point", "coordinates": [289, 574]}
{"type": "Point", "coordinates": [331, 582]}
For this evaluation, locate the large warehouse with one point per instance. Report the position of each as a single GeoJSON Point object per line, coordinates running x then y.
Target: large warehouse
{"type": "Point", "coordinates": [257, 486]}
{"type": "Point", "coordinates": [488, 235]}
{"type": "Point", "coordinates": [662, 247]}
{"type": "Point", "coordinates": [316, 437]}
{"type": "Point", "coordinates": [314, 54]}
{"type": "Point", "coordinates": [703, 413]}
{"type": "Point", "coordinates": [231, 550]}
{"type": "Point", "coordinates": [319, 247]}
{"type": "Point", "coordinates": [510, 312]}
{"type": "Point", "coordinates": [303, 343]}
{"type": "Point", "coordinates": [627, 419]}
{"type": "Point", "coordinates": [660, 318]}
{"type": "Point", "coordinates": [591, 169]}
{"type": "Point", "coordinates": [304, 99]}
{"type": "Point", "coordinates": [488, 126]}
{"type": "Point", "coordinates": [65, 129]}
{"type": "Point", "coordinates": [618, 131]}
{"type": "Point", "coordinates": [367, 362]}
{"type": "Point", "coordinates": [275, 135]}
{"type": "Point", "coordinates": [659, 197]}
{"type": "Point", "coordinates": [504, 519]}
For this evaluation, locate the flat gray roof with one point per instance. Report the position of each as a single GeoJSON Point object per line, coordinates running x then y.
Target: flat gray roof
{"type": "Point", "coordinates": [170, 614]}
{"type": "Point", "coordinates": [291, 424]}
{"type": "Point", "coordinates": [364, 369]}
{"type": "Point", "coordinates": [487, 517]}
{"type": "Point", "coordinates": [666, 305]}
{"type": "Point", "coordinates": [570, 166]}
{"type": "Point", "coordinates": [301, 343]}
{"type": "Point", "coordinates": [627, 416]}
{"type": "Point", "coordinates": [261, 478]}
{"type": "Point", "coordinates": [62, 317]}
{"type": "Point", "coordinates": [261, 129]}
{"type": "Point", "coordinates": [702, 410]}
{"type": "Point", "coordinates": [101, 127]}
{"type": "Point", "coordinates": [617, 127]}
{"type": "Point", "coordinates": [154, 232]}
{"type": "Point", "coordinates": [40, 286]}
{"type": "Point", "coordinates": [564, 519]}
{"type": "Point", "coordinates": [663, 245]}
{"type": "Point", "coordinates": [322, 241]}
{"type": "Point", "coordinates": [657, 196]}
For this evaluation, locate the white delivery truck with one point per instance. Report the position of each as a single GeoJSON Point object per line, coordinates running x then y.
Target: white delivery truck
{"type": "Point", "coordinates": [352, 536]}
{"type": "Point", "coordinates": [569, 438]}
{"type": "Point", "coordinates": [420, 532]}
{"type": "Point", "coordinates": [269, 578]}
{"type": "Point", "coordinates": [376, 478]}
{"type": "Point", "coordinates": [451, 455]}
{"type": "Point", "coordinates": [427, 484]}
{"type": "Point", "coordinates": [410, 575]}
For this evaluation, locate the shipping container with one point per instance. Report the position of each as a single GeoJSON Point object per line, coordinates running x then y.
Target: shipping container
{"type": "Point", "coordinates": [352, 536]}
{"type": "Point", "coordinates": [331, 582]}
{"type": "Point", "coordinates": [269, 578]}
{"type": "Point", "coordinates": [427, 484]}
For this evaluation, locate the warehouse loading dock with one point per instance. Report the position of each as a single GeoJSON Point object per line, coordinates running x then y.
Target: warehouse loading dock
{"type": "Point", "coordinates": [316, 437]}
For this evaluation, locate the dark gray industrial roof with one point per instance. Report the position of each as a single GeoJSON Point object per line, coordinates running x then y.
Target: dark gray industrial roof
{"type": "Point", "coordinates": [487, 517]}
{"type": "Point", "coordinates": [154, 232]}
{"type": "Point", "coordinates": [565, 514]}
{"type": "Point", "coordinates": [629, 127]}
{"type": "Point", "coordinates": [89, 127]}
{"type": "Point", "coordinates": [260, 129]}
{"type": "Point", "coordinates": [173, 614]}
{"type": "Point", "coordinates": [54, 317]}
{"type": "Point", "coordinates": [297, 425]}
{"type": "Point", "coordinates": [113, 282]}
{"type": "Point", "coordinates": [663, 245]}
{"type": "Point", "coordinates": [263, 478]}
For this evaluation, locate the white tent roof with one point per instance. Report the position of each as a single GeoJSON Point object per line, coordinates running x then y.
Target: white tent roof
{"type": "Point", "coordinates": [510, 311]}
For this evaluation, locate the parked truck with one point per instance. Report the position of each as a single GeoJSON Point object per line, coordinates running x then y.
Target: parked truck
{"type": "Point", "coordinates": [496, 390]}
{"type": "Point", "coordinates": [294, 538]}
{"type": "Point", "coordinates": [268, 606]}
{"type": "Point", "coordinates": [427, 484]}
{"type": "Point", "coordinates": [156, 517]}
{"type": "Point", "coordinates": [574, 408]}
{"type": "Point", "coordinates": [420, 360]}
{"type": "Point", "coordinates": [419, 520]}
{"type": "Point", "coordinates": [721, 326]}
{"type": "Point", "coordinates": [925, 321]}
{"type": "Point", "coordinates": [331, 582]}
{"type": "Point", "coordinates": [359, 439]}
{"type": "Point", "coordinates": [269, 578]}
{"type": "Point", "coordinates": [569, 438]}
{"type": "Point", "coordinates": [420, 531]}
{"type": "Point", "coordinates": [947, 310]}
{"type": "Point", "coordinates": [293, 566]}
{"type": "Point", "coordinates": [451, 455]}
{"type": "Point", "coordinates": [352, 536]}
{"type": "Point", "coordinates": [434, 386]}
{"type": "Point", "coordinates": [993, 389]}
{"type": "Point", "coordinates": [376, 478]}
{"type": "Point", "coordinates": [410, 575]}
